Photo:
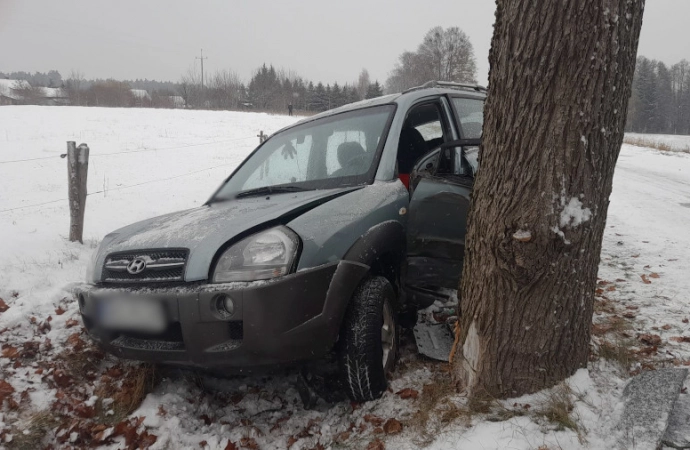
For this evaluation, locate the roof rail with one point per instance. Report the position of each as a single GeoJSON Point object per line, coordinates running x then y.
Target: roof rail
{"type": "Point", "coordinates": [447, 84]}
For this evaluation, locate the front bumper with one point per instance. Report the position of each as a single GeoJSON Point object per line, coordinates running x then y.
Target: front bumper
{"type": "Point", "coordinates": [294, 318]}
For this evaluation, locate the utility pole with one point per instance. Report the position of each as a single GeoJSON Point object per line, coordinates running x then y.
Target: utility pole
{"type": "Point", "coordinates": [202, 68]}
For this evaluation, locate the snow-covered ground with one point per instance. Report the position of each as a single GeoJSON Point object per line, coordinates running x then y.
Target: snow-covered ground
{"type": "Point", "coordinates": [148, 162]}
{"type": "Point", "coordinates": [667, 141]}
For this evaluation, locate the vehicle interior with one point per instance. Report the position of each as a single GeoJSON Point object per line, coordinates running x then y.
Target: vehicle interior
{"type": "Point", "coordinates": [421, 134]}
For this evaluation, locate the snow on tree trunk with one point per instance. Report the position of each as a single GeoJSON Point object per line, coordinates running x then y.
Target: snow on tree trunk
{"type": "Point", "coordinates": [559, 84]}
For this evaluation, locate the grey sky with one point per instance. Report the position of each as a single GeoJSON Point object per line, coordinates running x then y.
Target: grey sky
{"type": "Point", "coordinates": [321, 40]}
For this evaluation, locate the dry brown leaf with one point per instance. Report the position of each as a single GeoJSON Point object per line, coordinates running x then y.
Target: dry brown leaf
{"type": "Point", "coordinates": [650, 339]}
{"type": "Point", "coordinates": [3, 306]}
{"type": "Point", "coordinates": [10, 352]}
{"type": "Point", "coordinates": [611, 288]}
{"type": "Point", "coordinates": [62, 379]}
{"type": "Point", "coordinates": [374, 420]}
{"type": "Point", "coordinates": [376, 444]}
{"type": "Point", "coordinates": [408, 393]}
{"type": "Point", "coordinates": [342, 437]}
{"type": "Point", "coordinates": [392, 426]}
{"type": "Point", "coordinates": [231, 446]}
{"type": "Point", "coordinates": [59, 311]}
{"type": "Point", "coordinates": [248, 442]}
{"type": "Point", "coordinates": [645, 280]}
{"type": "Point", "coordinates": [681, 339]}
{"type": "Point", "coordinates": [666, 327]}
{"type": "Point", "coordinates": [6, 390]}
{"type": "Point", "coordinates": [653, 275]}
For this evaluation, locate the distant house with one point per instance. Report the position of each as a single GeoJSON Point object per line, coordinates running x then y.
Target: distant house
{"type": "Point", "coordinates": [55, 96]}
{"type": "Point", "coordinates": [177, 101]}
{"type": "Point", "coordinates": [141, 97]}
{"type": "Point", "coordinates": [10, 91]}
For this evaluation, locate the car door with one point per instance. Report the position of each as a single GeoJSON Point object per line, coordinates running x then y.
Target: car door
{"type": "Point", "coordinates": [441, 183]}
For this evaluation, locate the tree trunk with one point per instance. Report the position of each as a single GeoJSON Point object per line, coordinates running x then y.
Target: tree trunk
{"type": "Point", "coordinates": [559, 84]}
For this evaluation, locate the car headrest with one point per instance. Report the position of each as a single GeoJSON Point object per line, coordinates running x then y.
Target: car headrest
{"type": "Point", "coordinates": [349, 150]}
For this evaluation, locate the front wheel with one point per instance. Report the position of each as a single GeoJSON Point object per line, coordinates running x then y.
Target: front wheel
{"type": "Point", "coordinates": [369, 340]}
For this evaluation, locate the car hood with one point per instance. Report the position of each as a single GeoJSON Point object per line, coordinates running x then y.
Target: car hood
{"type": "Point", "coordinates": [205, 229]}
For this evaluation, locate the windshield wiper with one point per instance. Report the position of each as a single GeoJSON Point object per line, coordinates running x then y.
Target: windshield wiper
{"type": "Point", "coordinates": [267, 190]}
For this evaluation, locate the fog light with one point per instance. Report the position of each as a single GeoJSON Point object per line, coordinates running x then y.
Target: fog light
{"type": "Point", "coordinates": [225, 305]}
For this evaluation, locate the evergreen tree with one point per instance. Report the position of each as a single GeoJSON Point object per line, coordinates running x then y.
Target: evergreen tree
{"type": "Point", "coordinates": [320, 101]}
{"type": "Point", "coordinates": [327, 98]}
{"type": "Point", "coordinates": [374, 90]}
{"type": "Point", "coordinates": [664, 92]}
{"type": "Point", "coordinates": [645, 85]}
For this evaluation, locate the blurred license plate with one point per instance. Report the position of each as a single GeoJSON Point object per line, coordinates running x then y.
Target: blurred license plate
{"type": "Point", "coordinates": [132, 314]}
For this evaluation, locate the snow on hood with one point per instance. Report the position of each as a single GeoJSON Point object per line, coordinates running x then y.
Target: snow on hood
{"type": "Point", "coordinates": [205, 229]}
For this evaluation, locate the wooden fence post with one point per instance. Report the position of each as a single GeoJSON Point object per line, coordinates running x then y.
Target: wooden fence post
{"type": "Point", "coordinates": [77, 170]}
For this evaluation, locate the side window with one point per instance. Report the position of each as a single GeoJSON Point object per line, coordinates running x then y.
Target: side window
{"type": "Point", "coordinates": [422, 132]}
{"type": "Point", "coordinates": [470, 113]}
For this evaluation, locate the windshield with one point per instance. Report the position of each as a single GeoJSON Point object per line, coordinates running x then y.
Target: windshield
{"type": "Point", "coordinates": [332, 152]}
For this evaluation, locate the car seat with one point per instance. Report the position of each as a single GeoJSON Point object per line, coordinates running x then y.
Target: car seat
{"type": "Point", "coordinates": [411, 147]}
{"type": "Point", "coordinates": [351, 157]}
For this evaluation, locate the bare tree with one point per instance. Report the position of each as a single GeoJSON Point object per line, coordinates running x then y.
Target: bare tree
{"type": "Point", "coordinates": [109, 93]}
{"type": "Point", "coordinates": [74, 86]}
{"type": "Point", "coordinates": [560, 79]}
{"type": "Point", "coordinates": [190, 88]}
{"type": "Point", "coordinates": [445, 55]}
{"type": "Point", "coordinates": [448, 55]}
{"type": "Point", "coordinates": [223, 90]}
{"type": "Point", "coordinates": [363, 83]}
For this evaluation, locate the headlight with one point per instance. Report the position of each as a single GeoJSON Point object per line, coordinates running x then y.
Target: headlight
{"type": "Point", "coordinates": [265, 255]}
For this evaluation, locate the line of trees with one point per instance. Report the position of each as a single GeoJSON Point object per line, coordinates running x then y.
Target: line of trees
{"type": "Point", "coordinates": [660, 101]}
{"type": "Point", "coordinates": [271, 89]}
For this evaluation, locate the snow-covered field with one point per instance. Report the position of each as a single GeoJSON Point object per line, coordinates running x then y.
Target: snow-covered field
{"type": "Point", "coordinates": [148, 162]}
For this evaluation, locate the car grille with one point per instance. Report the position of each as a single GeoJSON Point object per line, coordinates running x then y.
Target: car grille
{"type": "Point", "coordinates": [149, 266]}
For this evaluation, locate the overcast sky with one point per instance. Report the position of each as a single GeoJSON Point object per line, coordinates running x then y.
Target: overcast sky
{"type": "Point", "coordinates": [321, 40]}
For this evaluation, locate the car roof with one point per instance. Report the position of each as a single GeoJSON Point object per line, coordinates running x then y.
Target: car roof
{"type": "Point", "coordinates": [406, 97]}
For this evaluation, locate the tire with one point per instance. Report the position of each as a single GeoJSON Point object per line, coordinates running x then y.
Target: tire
{"type": "Point", "coordinates": [363, 361]}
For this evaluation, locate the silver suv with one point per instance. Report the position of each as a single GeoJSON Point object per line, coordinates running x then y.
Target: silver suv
{"type": "Point", "coordinates": [319, 241]}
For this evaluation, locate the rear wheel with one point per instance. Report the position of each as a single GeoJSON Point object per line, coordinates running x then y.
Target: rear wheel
{"type": "Point", "coordinates": [369, 340]}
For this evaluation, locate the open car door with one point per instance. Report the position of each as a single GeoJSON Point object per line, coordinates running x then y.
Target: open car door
{"type": "Point", "coordinates": [441, 184]}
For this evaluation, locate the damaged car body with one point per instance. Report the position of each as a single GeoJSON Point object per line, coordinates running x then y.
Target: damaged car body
{"type": "Point", "coordinates": [319, 241]}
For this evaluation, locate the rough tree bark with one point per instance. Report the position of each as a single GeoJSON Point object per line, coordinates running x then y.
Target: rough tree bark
{"type": "Point", "coordinates": [559, 84]}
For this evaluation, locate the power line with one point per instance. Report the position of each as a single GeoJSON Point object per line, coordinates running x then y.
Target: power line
{"type": "Point", "coordinates": [31, 206]}
{"type": "Point", "coordinates": [29, 159]}
{"type": "Point", "coordinates": [135, 151]}
{"type": "Point", "coordinates": [121, 187]}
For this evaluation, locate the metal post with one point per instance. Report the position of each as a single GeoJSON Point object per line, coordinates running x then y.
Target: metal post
{"type": "Point", "coordinates": [77, 171]}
